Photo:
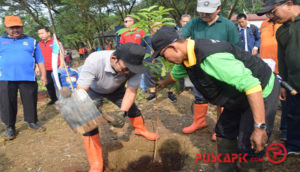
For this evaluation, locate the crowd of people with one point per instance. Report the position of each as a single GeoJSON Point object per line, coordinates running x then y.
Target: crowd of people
{"type": "Point", "coordinates": [238, 68]}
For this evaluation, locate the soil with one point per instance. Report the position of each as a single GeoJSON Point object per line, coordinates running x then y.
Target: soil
{"type": "Point", "coordinates": [59, 149]}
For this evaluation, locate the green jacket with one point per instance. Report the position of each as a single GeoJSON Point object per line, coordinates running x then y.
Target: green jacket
{"type": "Point", "coordinates": [288, 36]}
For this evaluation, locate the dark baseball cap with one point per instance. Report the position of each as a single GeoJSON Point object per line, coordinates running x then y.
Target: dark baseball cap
{"type": "Point", "coordinates": [269, 5]}
{"type": "Point", "coordinates": [133, 56]}
{"type": "Point", "coordinates": [162, 38]}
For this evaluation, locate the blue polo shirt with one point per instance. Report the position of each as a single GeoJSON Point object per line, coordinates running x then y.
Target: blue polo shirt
{"type": "Point", "coordinates": [18, 58]}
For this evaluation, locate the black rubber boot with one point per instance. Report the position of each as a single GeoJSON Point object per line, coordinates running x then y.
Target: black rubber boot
{"type": "Point", "coordinates": [250, 167]}
{"type": "Point", "coordinates": [226, 146]}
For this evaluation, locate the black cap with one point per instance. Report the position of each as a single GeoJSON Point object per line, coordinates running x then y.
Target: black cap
{"type": "Point", "coordinates": [162, 38]}
{"type": "Point", "coordinates": [269, 5]}
{"type": "Point", "coordinates": [133, 56]}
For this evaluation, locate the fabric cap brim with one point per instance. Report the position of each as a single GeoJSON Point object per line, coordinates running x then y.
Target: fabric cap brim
{"type": "Point", "coordinates": [265, 10]}
{"type": "Point", "coordinates": [136, 68]}
{"type": "Point", "coordinates": [206, 10]}
{"type": "Point", "coordinates": [156, 53]}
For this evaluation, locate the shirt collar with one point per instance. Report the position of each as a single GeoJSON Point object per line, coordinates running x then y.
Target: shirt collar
{"type": "Point", "coordinates": [191, 61]}
{"type": "Point", "coordinates": [22, 37]}
{"type": "Point", "coordinates": [108, 67]}
{"type": "Point", "coordinates": [248, 26]}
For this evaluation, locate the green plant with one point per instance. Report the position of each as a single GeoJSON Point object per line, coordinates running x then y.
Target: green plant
{"type": "Point", "coordinates": [149, 20]}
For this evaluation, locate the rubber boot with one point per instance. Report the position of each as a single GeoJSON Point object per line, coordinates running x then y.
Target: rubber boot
{"type": "Point", "coordinates": [140, 129]}
{"type": "Point", "coordinates": [94, 152]}
{"type": "Point", "coordinates": [226, 146]}
{"type": "Point", "coordinates": [199, 118]}
{"type": "Point", "coordinates": [219, 111]}
{"type": "Point", "coordinates": [214, 137]}
{"type": "Point", "coordinates": [250, 167]}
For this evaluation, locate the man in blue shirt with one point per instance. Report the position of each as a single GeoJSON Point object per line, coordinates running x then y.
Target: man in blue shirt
{"type": "Point", "coordinates": [18, 56]}
{"type": "Point", "coordinates": [249, 34]}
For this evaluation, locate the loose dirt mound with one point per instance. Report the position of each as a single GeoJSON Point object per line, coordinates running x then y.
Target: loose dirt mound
{"type": "Point", "coordinates": [59, 149]}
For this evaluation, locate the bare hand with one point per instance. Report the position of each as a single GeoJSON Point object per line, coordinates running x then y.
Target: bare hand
{"type": "Point", "coordinates": [258, 139]}
{"type": "Point", "coordinates": [61, 67]}
{"type": "Point", "coordinates": [37, 71]}
{"type": "Point", "coordinates": [282, 94]}
{"type": "Point", "coordinates": [254, 51]}
{"type": "Point", "coordinates": [44, 80]}
{"type": "Point", "coordinates": [160, 85]}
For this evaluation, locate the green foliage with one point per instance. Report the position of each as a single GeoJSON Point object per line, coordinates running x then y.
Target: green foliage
{"type": "Point", "coordinates": [147, 19]}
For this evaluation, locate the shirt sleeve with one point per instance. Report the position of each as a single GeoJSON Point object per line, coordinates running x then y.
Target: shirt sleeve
{"type": "Point", "coordinates": [38, 54]}
{"type": "Point", "coordinates": [187, 29]}
{"type": "Point", "coordinates": [88, 72]}
{"type": "Point", "coordinates": [134, 80]}
{"type": "Point", "coordinates": [257, 37]}
{"type": "Point", "coordinates": [233, 35]}
{"type": "Point", "coordinates": [226, 68]}
{"type": "Point", "coordinates": [122, 41]}
{"type": "Point", "coordinates": [178, 71]}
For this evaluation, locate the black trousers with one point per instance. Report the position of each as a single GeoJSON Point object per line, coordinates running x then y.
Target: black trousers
{"type": "Point", "coordinates": [117, 98]}
{"type": "Point", "coordinates": [8, 101]}
{"type": "Point", "coordinates": [239, 124]}
{"type": "Point", "coordinates": [50, 86]}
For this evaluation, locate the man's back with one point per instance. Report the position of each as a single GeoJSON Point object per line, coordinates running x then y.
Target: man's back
{"type": "Point", "coordinates": [268, 46]}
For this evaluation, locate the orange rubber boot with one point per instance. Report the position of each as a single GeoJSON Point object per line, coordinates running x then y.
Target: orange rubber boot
{"type": "Point", "coordinates": [94, 152]}
{"type": "Point", "coordinates": [219, 111]}
{"type": "Point", "coordinates": [214, 137]}
{"type": "Point", "coordinates": [140, 128]}
{"type": "Point", "coordinates": [199, 118]}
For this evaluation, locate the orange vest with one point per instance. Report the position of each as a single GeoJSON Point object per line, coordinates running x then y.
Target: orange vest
{"type": "Point", "coordinates": [268, 45]}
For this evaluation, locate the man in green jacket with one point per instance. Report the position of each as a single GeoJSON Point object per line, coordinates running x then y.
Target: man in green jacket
{"type": "Point", "coordinates": [211, 25]}
{"type": "Point", "coordinates": [229, 77]}
{"type": "Point", "coordinates": [288, 37]}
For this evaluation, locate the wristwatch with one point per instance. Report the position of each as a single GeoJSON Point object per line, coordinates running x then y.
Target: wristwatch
{"type": "Point", "coordinates": [262, 126]}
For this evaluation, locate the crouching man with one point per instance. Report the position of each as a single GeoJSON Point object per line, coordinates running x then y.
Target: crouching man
{"type": "Point", "coordinates": [229, 77]}
{"type": "Point", "coordinates": [104, 74]}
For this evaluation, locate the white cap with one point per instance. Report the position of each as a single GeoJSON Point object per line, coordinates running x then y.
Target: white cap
{"type": "Point", "coordinates": [208, 6]}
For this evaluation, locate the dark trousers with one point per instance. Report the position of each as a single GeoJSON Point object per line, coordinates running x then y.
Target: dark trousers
{"type": "Point", "coordinates": [8, 101]}
{"type": "Point", "coordinates": [50, 86]}
{"type": "Point", "coordinates": [117, 98]}
{"type": "Point", "coordinates": [239, 124]}
{"type": "Point", "coordinates": [283, 121]}
{"type": "Point", "coordinates": [293, 122]}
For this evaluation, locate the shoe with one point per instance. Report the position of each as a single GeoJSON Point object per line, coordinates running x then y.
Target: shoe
{"type": "Point", "coordinates": [51, 102]}
{"type": "Point", "coordinates": [36, 127]}
{"type": "Point", "coordinates": [293, 153]}
{"type": "Point", "coordinates": [199, 118]}
{"type": "Point", "coordinates": [172, 97]}
{"type": "Point", "coordinates": [93, 150]}
{"type": "Point", "coordinates": [140, 129]}
{"type": "Point", "coordinates": [10, 133]}
{"type": "Point", "coordinates": [151, 97]}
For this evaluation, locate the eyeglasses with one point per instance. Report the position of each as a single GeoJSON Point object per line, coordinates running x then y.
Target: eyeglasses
{"type": "Point", "coordinates": [126, 21]}
{"type": "Point", "coordinates": [272, 13]}
{"type": "Point", "coordinates": [162, 54]}
{"type": "Point", "coordinates": [123, 69]}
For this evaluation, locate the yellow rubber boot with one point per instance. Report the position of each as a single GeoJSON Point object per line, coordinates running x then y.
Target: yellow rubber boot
{"type": "Point", "coordinates": [199, 118]}
{"type": "Point", "coordinates": [140, 129]}
{"type": "Point", "coordinates": [94, 152]}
